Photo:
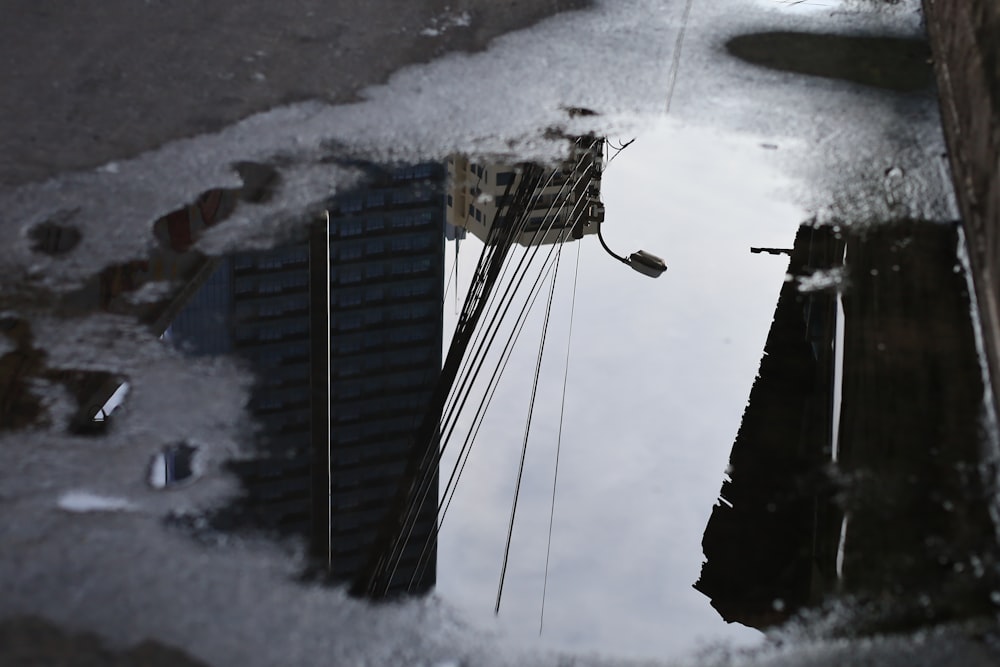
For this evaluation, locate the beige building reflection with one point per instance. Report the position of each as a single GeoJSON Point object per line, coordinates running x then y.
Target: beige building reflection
{"type": "Point", "coordinates": [565, 207]}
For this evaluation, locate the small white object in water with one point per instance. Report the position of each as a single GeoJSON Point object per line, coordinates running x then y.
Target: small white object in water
{"type": "Point", "coordinates": [85, 501]}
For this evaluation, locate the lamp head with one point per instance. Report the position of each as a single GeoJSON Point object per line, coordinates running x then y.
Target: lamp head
{"type": "Point", "coordinates": [647, 263]}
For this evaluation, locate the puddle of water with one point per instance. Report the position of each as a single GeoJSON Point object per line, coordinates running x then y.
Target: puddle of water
{"type": "Point", "coordinates": [848, 398]}
{"type": "Point", "coordinates": [842, 423]}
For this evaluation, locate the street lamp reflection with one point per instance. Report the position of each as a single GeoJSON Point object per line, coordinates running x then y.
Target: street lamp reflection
{"type": "Point", "coordinates": [644, 262]}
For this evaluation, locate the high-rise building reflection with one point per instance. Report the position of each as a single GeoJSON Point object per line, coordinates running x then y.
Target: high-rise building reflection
{"type": "Point", "coordinates": [342, 330]}
{"type": "Point", "coordinates": [336, 420]}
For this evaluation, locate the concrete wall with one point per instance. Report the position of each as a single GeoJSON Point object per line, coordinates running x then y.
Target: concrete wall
{"type": "Point", "coordinates": [965, 39]}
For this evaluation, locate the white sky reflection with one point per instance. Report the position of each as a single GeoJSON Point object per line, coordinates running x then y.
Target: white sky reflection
{"type": "Point", "coordinates": [659, 374]}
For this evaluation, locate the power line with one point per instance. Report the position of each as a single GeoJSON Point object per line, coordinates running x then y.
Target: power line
{"type": "Point", "coordinates": [370, 577]}
{"type": "Point", "coordinates": [499, 313]}
{"type": "Point", "coordinates": [675, 63]}
{"type": "Point", "coordinates": [562, 413]}
{"type": "Point", "coordinates": [432, 458]}
{"type": "Point", "coordinates": [387, 551]}
{"type": "Point", "coordinates": [463, 456]}
{"type": "Point", "coordinates": [537, 236]}
{"type": "Point", "coordinates": [477, 421]}
{"type": "Point", "coordinates": [527, 430]}
{"type": "Point", "coordinates": [469, 382]}
{"type": "Point", "coordinates": [413, 495]}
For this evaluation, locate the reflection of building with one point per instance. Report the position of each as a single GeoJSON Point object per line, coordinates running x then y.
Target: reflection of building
{"type": "Point", "coordinates": [385, 282]}
{"type": "Point", "coordinates": [256, 305]}
{"type": "Point", "coordinates": [773, 506]}
{"type": "Point", "coordinates": [568, 199]}
{"type": "Point", "coordinates": [387, 254]}
{"type": "Point", "coordinates": [856, 467]}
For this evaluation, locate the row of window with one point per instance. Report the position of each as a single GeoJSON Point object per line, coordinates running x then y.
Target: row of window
{"type": "Point", "coordinates": [382, 475]}
{"type": "Point", "coordinates": [362, 364]}
{"type": "Point", "coordinates": [351, 343]}
{"type": "Point", "coordinates": [297, 281]}
{"type": "Point", "coordinates": [279, 330]}
{"type": "Point", "coordinates": [277, 354]}
{"type": "Point", "coordinates": [377, 199]}
{"type": "Point", "coordinates": [346, 227]}
{"type": "Point", "coordinates": [346, 522]}
{"type": "Point", "coordinates": [364, 388]}
{"type": "Point", "coordinates": [272, 284]}
{"type": "Point", "coordinates": [400, 381]}
{"type": "Point", "coordinates": [268, 468]}
{"type": "Point", "coordinates": [366, 496]}
{"type": "Point", "coordinates": [291, 375]}
{"type": "Point", "coordinates": [288, 420]}
{"type": "Point", "coordinates": [278, 258]}
{"type": "Point", "coordinates": [345, 451]}
{"type": "Point", "coordinates": [379, 246]}
{"type": "Point", "coordinates": [272, 307]}
{"type": "Point", "coordinates": [369, 294]}
{"type": "Point", "coordinates": [503, 177]}
{"type": "Point", "coordinates": [374, 385]}
{"type": "Point", "coordinates": [275, 400]}
{"type": "Point", "coordinates": [356, 432]}
{"type": "Point", "coordinates": [351, 320]}
{"type": "Point", "coordinates": [280, 488]}
{"type": "Point", "coordinates": [414, 171]}
{"type": "Point", "coordinates": [346, 275]}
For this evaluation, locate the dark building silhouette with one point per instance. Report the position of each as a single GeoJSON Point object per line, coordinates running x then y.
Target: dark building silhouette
{"type": "Point", "coordinates": [387, 254]}
{"type": "Point", "coordinates": [775, 506]}
{"type": "Point", "coordinates": [339, 391]}
{"type": "Point", "coordinates": [893, 512]}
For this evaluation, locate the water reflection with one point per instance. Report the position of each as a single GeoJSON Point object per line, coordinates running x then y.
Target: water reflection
{"type": "Point", "coordinates": [174, 466]}
{"type": "Point", "coordinates": [343, 331]}
{"type": "Point", "coordinates": [856, 470]}
{"type": "Point", "coordinates": [349, 436]}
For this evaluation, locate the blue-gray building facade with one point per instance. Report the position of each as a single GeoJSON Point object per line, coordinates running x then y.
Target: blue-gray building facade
{"type": "Point", "coordinates": [385, 283]}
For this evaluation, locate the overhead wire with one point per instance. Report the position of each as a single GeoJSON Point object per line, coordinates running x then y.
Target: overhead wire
{"type": "Point", "coordinates": [477, 421]}
{"type": "Point", "coordinates": [675, 62]}
{"type": "Point", "coordinates": [499, 315]}
{"type": "Point", "coordinates": [562, 414]}
{"type": "Point", "coordinates": [487, 344]}
{"type": "Point", "coordinates": [463, 456]}
{"type": "Point", "coordinates": [383, 548]}
{"type": "Point", "coordinates": [620, 149]}
{"type": "Point", "coordinates": [499, 239]}
{"type": "Point", "coordinates": [527, 431]}
{"type": "Point", "coordinates": [523, 221]}
{"type": "Point", "coordinates": [501, 312]}
{"type": "Point", "coordinates": [495, 244]}
{"type": "Point", "coordinates": [538, 233]}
